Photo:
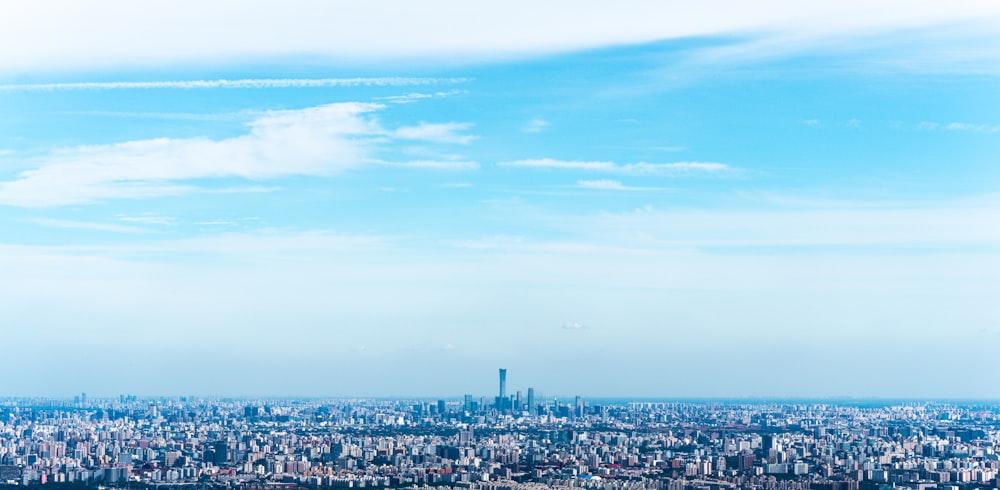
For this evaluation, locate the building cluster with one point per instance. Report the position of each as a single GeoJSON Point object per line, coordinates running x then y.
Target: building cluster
{"type": "Point", "coordinates": [507, 443]}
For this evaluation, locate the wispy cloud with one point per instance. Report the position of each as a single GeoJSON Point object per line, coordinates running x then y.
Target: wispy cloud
{"type": "Point", "coordinates": [434, 164]}
{"type": "Point", "coordinates": [536, 125]}
{"type": "Point", "coordinates": [147, 219]}
{"type": "Point", "coordinates": [219, 222]}
{"type": "Point", "coordinates": [450, 133]}
{"type": "Point", "coordinates": [923, 47]}
{"type": "Point", "coordinates": [665, 149]}
{"type": "Point", "coordinates": [243, 189]}
{"type": "Point", "coordinates": [455, 185]}
{"type": "Point", "coordinates": [337, 30]}
{"type": "Point", "coordinates": [607, 185]}
{"type": "Point", "coordinates": [245, 83]}
{"type": "Point", "coordinates": [640, 168]}
{"type": "Point", "coordinates": [417, 96]}
{"type": "Point", "coordinates": [959, 126]}
{"type": "Point", "coordinates": [984, 128]}
{"type": "Point", "coordinates": [404, 99]}
{"type": "Point", "coordinates": [316, 141]}
{"type": "Point", "coordinates": [573, 326]}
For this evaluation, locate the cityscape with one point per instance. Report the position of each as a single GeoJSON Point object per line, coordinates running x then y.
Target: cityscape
{"type": "Point", "coordinates": [509, 441]}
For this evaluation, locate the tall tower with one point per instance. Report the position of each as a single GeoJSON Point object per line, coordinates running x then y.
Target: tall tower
{"type": "Point", "coordinates": [503, 389]}
{"type": "Point", "coordinates": [531, 402]}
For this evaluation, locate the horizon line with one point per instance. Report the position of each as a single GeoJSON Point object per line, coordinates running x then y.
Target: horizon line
{"type": "Point", "coordinates": [628, 399]}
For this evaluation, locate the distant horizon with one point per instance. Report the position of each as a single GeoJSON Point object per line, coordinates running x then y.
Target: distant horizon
{"type": "Point", "coordinates": [540, 397]}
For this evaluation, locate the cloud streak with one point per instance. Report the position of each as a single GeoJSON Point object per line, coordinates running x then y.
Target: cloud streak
{"type": "Point", "coordinates": [607, 185]}
{"type": "Point", "coordinates": [245, 83]}
{"type": "Point", "coordinates": [959, 126]}
{"type": "Point", "coordinates": [122, 33]}
{"type": "Point", "coordinates": [316, 141]}
{"type": "Point", "coordinates": [640, 168]}
{"type": "Point", "coordinates": [448, 133]}
{"type": "Point", "coordinates": [434, 164]}
{"type": "Point", "coordinates": [536, 125]}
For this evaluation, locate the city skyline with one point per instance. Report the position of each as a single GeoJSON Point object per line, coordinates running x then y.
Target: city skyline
{"type": "Point", "coordinates": [253, 444]}
{"type": "Point", "coordinates": [521, 398]}
{"type": "Point", "coordinates": [646, 199]}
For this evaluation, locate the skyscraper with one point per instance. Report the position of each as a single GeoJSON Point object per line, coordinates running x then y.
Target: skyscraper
{"type": "Point", "coordinates": [766, 444]}
{"type": "Point", "coordinates": [531, 401]}
{"type": "Point", "coordinates": [501, 401]}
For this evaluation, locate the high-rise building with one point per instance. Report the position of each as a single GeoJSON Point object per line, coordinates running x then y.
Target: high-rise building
{"type": "Point", "coordinates": [531, 402]}
{"type": "Point", "coordinates": [501, 401]}
{"type": "Point", "coordinates": [766, 443]}
{"type": "Point", "coordinates": [465, 437]}
{"type": "Point", "coordinates": [221, 450]}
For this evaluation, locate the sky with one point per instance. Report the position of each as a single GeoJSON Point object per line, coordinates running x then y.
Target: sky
{"type": "Point", "coordinates": [391, 198]}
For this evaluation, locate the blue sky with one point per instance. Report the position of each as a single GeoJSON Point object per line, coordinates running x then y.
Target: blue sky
{"type": "Point", "coordinates": [786, 203]}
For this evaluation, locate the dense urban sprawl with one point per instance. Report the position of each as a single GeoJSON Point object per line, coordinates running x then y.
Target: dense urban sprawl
{"type": "Point", "coordinates": [500, 443]}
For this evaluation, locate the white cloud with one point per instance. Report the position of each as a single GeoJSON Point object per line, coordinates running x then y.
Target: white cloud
{"type": "Point", "coordinates": [126, 33]}
{"type": "Point", "coordinates": [641, 168]}
{"type": "Point", "coordinates": [417, 96]}
{"type": "Point", "coordinates": [979, 128]}
{"type": "Point", "coordinates": [573, 326]}
{"type": "Point", "coordinates": [219, 222]}
{"type": "Point", "coordinates": [245, 83]}
{"type": "Point", "coordinates": [434, 164]}
{"type": "Point", "coordinates": [147, 219]}
{"type": "Point", "coordinates": [244, 189]}
{"type": "Point", "coordinates": [455, 185]}
{"type": "Point", "coordinates": [963, 127]}
{"type": "Point", "coordinates": [605, 185]}
{"type": "Point", "coordinates": [404, 99]}
{"type": "Point", "coordinates": [811, 122]}
{"type": "Point", "coordinates": [536, 125]}
{"type": "Point", "coordinates": [319, 141]}
{"type": "Point", "coordinates": [437, 133]}
{"type": "Point", "coordinates": [959, 126]}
